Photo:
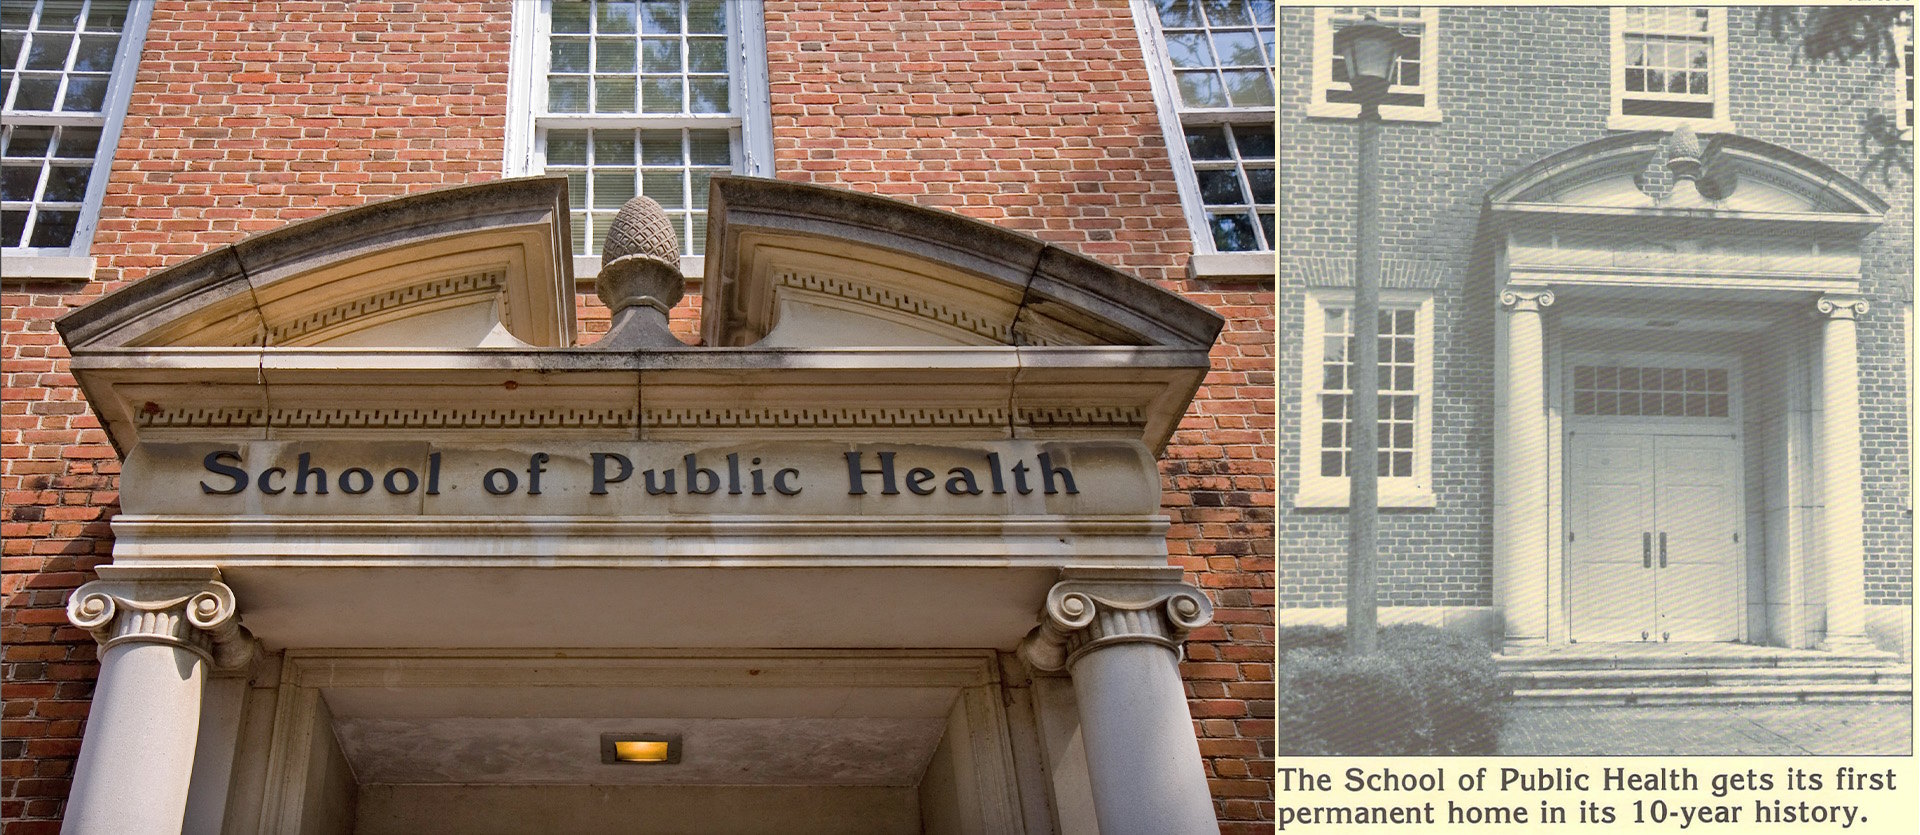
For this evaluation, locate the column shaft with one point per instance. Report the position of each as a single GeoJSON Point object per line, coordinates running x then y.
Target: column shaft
{"type": "Point", "coordinates": [1520, 567]}
{"type": "Point", "coordinates": [1842, 545]}
{"type": "Point", "coordinates": [137, 758]}
{"type": "Point", "coordinates": [1142, 758]}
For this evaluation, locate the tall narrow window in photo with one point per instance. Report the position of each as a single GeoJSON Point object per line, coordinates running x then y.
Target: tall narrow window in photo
{"type": "Point", "coordinates": [650, 98]}
{"type": "Point", "coordinates": [66, 69]}
{"type": "Point", "coordinates": [1212, 64]}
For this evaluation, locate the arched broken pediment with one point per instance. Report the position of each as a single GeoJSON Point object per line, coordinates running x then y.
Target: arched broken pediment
{"type": "Point", "coordinates": [450, 268]}
{"type": "Point", "coordinates": [1669, 210]}
{"type": "Point", "coordinates": [827, 314]}
{"type": "Point", "coordinates": [802, 265]}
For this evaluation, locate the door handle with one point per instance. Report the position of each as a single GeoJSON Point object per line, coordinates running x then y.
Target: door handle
{"type": "Point", "coordinates": [1663, 549]}
{"type": "Point", "coordinates": [1646, 549]}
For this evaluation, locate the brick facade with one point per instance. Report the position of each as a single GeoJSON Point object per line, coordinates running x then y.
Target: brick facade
{"type": "Point", "coordinates": [247, 116]}
{"type": "Point", "coordinates": [1516, 85]}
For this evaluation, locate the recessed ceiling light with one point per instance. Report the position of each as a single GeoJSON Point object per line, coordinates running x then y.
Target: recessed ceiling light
{"type": "Point", "coordinates": [621, 749]}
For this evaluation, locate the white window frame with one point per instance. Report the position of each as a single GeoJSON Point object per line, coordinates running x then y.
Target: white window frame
{"type": "Point", "coordinates": [527, 92]}
{"type": "Point", "coordinates": [74, 260]}
{"type": "Point", "coordinates": [1903, 80]}
{"type": "Point", "coordinates": [1429, 87]}
{"type": "Point", "coordinates": [1206, 261]}
{"type": "Point", "coordinates": [1720, 122]}
{"type": "Point", "coordinates": [1319, 491]}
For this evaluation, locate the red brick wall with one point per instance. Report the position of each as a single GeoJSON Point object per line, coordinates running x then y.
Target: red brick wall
{"type": "Point", "coordinates": [244, 117]}
{"type": "Point", "coordinates": [1036, 116]}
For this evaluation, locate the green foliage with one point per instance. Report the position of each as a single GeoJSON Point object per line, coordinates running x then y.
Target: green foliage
{"type": "Point", "coordinates": [1427, 692]}
{"type": "Point", "coordinates": [1839, 33]}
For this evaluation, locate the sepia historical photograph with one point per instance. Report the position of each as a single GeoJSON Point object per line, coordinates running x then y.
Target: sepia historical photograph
{"type": "Point", "coordinates": [1627, 469]}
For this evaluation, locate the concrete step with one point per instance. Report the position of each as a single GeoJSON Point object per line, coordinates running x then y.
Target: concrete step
{"type": "Point", "coordinates": [1758, 658]}
{"type": "Point", "coordinates": [1715, 695]}
{"type": "Point", "coordinates": [1705, 677]}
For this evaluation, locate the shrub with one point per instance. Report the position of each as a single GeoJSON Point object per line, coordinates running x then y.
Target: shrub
{"type": "Point", "coordinates": [1426, 692]}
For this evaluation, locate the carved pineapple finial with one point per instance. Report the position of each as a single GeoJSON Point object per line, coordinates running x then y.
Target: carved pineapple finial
{"type": "Point", "coordinates": [640, 278]}
{"type": "Point", "coordinates": [1683, 154]}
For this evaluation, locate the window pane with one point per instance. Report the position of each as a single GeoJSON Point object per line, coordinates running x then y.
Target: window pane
{"type": "Point", "coordinates": [612, 148]}
{"type": "Point", "coordinates": [613, 94]}
{"type": "Point", "coordinates": [612, 188]}
{"type": "Point", "coordinates": [107, 15]}
{"type": "Point", "coordinates": [1208, 143]}
{"type": "Point", "coordinates": [661, 147]}
{"type": "Point", "coordinates": [711, 147]}
{"type": "Point", "coordinates": [96, 53]}
{"type": "Point", "coordinates": [12, 225]}
{"type": "Point", "coordinates": [1201, 89]}
{"type": "Point", "coordinates": [661, 17]}
{"type": "Point", "coordinates": [709, 95]}
{"type": "Point", "coordinates": [567, 95]}
{"type": "Point", "coordinates": [1220, 187]}
{"type": "Point", "coordinates": [1261, 180]}
{"type": "Point", "coordinates": [707, 55]}
{"type": "Point", "coordinates": [66, 184]}
{"type": "Point", "coordinates": [616, 55]}
{"type": "Point", "coordinates": [665, 187]}
{"type": "Point", "coordinates": [1189, 50]}
{"type": "Point", "coordinates": [29, 142]}
{"type": "Point", "coordinates": [1233, 233]}
{"type": "Point", "coordinates": [1227, 12]}
{"type": "Point", "coordinates": [572, 16]}
{"type": "Point", "coordinates": [1254, 142]}
{"type": "Point", "coordinates": [48, 51]}
{"type": "Point", "coordinates": [1249, 88]}
{"type": "Point", "coordinates": [85, 93]}
{"type": "Point", "coordinates": [54, 228]}
{"type": "Point", "coordinates": [566, 147]}
{"type": "Point", "coordinates": [569, 55]}
{"type": "Point", "coordinates": [1178, 13]}
{"type": "Point", "coordinates": [662, 95]}
{"type": "Point", "coordinates": [706, 17]}
{"type": "Point", "coordinates": [660, 55]}
{"type": "Point", "coordinates": [614, 17]}
{"type": "Point", "coordinates": [1238, 48]}
{"type": "Point", "coordinates": [18, 182]}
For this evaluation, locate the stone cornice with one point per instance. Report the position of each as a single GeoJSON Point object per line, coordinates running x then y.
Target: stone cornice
{"type": "Point", "coordinates": [188, 608]}
{"type": "Point", "coordinates": [1093, 608]}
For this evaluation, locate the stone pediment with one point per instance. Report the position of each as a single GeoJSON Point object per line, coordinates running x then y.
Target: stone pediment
{"type": "Point", "coordinates": [1657, 210]}
{"type": "Point", "coordinates": [828, 314]}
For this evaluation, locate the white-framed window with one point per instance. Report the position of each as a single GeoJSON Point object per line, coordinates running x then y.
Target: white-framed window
{"type": "Point", "coordinates": [66, 70]}
{"type": "Point", "coordinates": [1903, 40]}
{"type": "Point", "coordinates": [1211, 64]}
{"type": "Point", "coordinates": [1670, 68]}
{"type": "Point", "coordinates": [1414, 92]}
{"type": "Point", "coordinates": [1405, 333]}
{"type": "Point", "coordinates": [628, 97]}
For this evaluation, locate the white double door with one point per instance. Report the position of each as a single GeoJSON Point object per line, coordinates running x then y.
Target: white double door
{"type": "Point", "coordinates": [1654, 550]}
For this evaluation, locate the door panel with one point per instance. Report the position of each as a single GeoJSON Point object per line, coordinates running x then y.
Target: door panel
{"type": "Point", "coordinates": [1611, 588]}
{"type": "Point", "coordinates": [1695, 510]}
{"type": "Point", "coordinates": [1653, 555]}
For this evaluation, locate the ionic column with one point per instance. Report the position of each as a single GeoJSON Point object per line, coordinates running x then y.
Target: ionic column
{"type": "Point", "coordinates": [1520, 566]}
{"type": "Point", "coordinates": [1842, 545]}
{"type": "Point", "coordinates": [1118, 633]}
{"type": "Point", "coordinates": [159, 630]}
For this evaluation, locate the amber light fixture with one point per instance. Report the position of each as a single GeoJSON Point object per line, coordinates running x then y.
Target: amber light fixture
{"type": "Point", "coordinates": [639, 748]}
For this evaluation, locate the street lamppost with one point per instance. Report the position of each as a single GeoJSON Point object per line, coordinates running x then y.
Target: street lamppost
{"type": "Point", "coordinates": [1371, 51]}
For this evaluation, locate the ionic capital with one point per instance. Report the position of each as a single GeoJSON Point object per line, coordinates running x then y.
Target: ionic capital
{"type": "Point", "coordinates": [1526, 299]}
{"type": "Point", "coordinates": [186, 608]}
{"type": "Point", "coordinates": [1094, 608]}
{"type": "Point", "coordinates": [1841, 307]}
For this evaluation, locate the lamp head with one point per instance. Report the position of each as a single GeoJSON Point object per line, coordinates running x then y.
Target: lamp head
{"type": "Point", "coordinates": [1371, 51]}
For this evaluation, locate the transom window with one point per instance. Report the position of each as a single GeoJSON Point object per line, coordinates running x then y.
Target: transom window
{"type": "Point", "coordinates": [1627, 391]}
{"type": "Point", "coordinates": [1413, 91]}
{"type": "Point", "coordinates": [646, 97]}
{"type": "Point", "coordinates": [1214, 80]}
{"type": "Point", "coordinates": [1669, 64]}
{"type": "Point", "coordinates": [1405, 334]}
{"type": "Point", "coordinates": [64, 76]}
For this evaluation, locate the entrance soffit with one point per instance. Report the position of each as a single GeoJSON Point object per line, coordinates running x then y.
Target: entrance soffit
{"type": "Point", "coordinates": [1670, 215]}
